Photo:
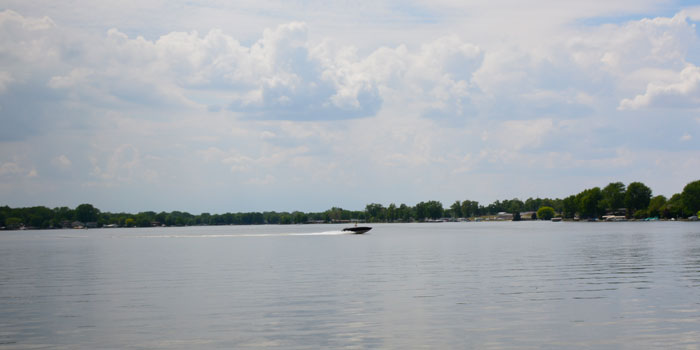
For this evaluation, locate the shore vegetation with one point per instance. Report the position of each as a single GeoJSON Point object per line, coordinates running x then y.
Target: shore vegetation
{"type": "Point", "coordinates": [634, 201]}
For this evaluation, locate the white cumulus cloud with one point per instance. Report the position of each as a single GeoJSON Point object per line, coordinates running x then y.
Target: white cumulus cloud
{"type": "Point", "coordinates": [10, 168]}
{"type": "Point", "coordinates": [683, 93]}
{"type": "Point", "coordinates": [434, 103]}
{"type": "Point", "coordinates": [62, 162]}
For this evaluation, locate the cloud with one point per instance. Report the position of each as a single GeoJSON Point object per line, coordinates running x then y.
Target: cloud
{"type": "Point", "coordinates": [214, 111]}
{"type": "Point", "coordinates": [211, 154]}
{"type": "Point", "coordinates": [656, 42]}
{"type": "Point", "coordinates": [296, 82]}
{"type": "Point", "coordinates": [10, 168]}
{"type": "Point", "coordinates": [267, 135]}
{"type": "Point", "coordinates": [5, 80]}
{"type": "Point", "coordinates": [286, 76]}
{"type": "Point", "coordinates": [123, 165]}
{"type": "Point", "coordinates": [76, 77]}
{"type": "Point", "coordinates": [28, 46]}
{"type": "Point", "coordinates": [683, 93]}
{"type": "Point", "coordinates": [238, 163]}
{"type": "Point", "coordinates": [518, 134]}
{"type": "Point", "coordinates": [596, 62]}
{"type": "Point", "coordinates": [62, 162]}
{"type": "Point", "coordinates": [267, 180]}
{"type": "Point", "coordinates": [692, 12]}
{"type": "Point", "coordinates": [443, 71]}
{"type": "Point", "coordinates": [282, 76]}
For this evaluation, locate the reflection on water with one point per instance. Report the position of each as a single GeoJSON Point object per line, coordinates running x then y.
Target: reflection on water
{"type": "Point", "coordinates": [691, 259]}
{"type": "Point", "coordinates": [463, 285]}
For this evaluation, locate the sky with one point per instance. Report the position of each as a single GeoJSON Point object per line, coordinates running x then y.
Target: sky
{"type": "Point", "coordinates": [219, 106]}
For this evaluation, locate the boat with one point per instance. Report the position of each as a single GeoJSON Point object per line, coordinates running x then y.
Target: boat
{"type": "Point", "coordinates": [358, 230]}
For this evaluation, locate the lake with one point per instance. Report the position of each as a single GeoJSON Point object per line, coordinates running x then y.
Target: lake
{"type": "Point", "coordinates": [490, 285]}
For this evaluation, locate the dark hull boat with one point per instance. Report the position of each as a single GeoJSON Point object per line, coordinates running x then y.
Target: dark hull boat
{"type": "Point", "coordinates": [358, 230]}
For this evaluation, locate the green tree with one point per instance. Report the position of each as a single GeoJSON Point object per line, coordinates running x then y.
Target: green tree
{"type": "Point", "coordinates": [86, 213]}
{"type": "Point", "coordinates": [62, 214]}
{"type": "Point", "coordinates": [690, 197]}
{"type": "Point", "coordinates": [404, 213]}
{"type": "Point", "coordinates": [420, 211]}
{"type": "Point", "coordinates": [569, 207]}
{"type": "Point", "coordinates": [456, 209]}
{"type": "Point", "coordinates": [434, 209]}
{"type": "Point", "coordinates": [299, 217]}
{"type": "Point", "coordinates": [391, 213]}
{"type": "Point", "coordinates": [470, 208]}
{"type": "Point", "coordinates": [655, 205]}
{"type": "Point", "coordinates": [557, 204]}
{"type": "Point", "coordinates": [37, 217]}
{"type": "Point", "coordinates": [673, 208]}
{"type": "Point", "coordinates": [286, 219]}
{"type": "Point", "coordinates": [13, 223]}
{"type": "Point", "coordinates": [514, 205]}
{"type": "Point", "coordinates": [375, 212]}
{"type": "Point", "coordinates": [495, 208]}
{"type": "Point", "coordinates": [614, 196]}
{"type": "Point", "coordinates": [205, 219]}
{"type": "Point", "coordinates": [35, 221]}
{"type": "Point", "coordinates": [476, 209]}
{"type": "Point", "coordinates": [160, 218]}
{"type": "Point", "coordinates": [532, 204]}
{"type": "Point", "coordinates": [589, 203]}
{"type": "Point", "coordinates": [637, 197]}
{"type": "Point", "coordinates": [335, 214]}
{"type": "Point", "coordinates": [142, 220]}
{"type": "Point", "coordinates": [545, 213]}
{"type": "Point", "coordinates": [429, 210]}
{"type": "Point", "coordinates": [641, 214]}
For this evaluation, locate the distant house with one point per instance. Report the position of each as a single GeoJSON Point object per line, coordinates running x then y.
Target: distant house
{"type": "Point", "coordinates": [503, 216]}
{"type": "Point", "coordinates": [528, 215]}
{"type": "Point", "coordinates": [617, 212]}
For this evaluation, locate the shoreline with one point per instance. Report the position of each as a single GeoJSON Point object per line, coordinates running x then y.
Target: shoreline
{"type": "Point", "coordinates": [27, 228]}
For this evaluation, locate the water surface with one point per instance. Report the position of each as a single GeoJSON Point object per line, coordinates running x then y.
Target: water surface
{"type": "Point", "coordinates": [450, 285]}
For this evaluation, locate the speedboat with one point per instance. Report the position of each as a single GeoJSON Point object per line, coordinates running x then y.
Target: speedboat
{"type": "Point", "coordinates": [358, 230]}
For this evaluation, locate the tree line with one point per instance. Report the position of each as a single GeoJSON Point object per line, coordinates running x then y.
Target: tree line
{"type": "Point", "coordinates": [633, 201]}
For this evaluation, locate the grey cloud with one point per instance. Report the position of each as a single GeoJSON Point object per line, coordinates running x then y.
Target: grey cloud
{"type": "Point", "coordinates": [278, 77]}
{"type": "Point", "coordinates": [683, 93]}
{"type": "Point", "coordinates": [308, 102]}
{"type": "Point", "coordinates": [26, 110]}
{"type": "Point", "coordinates": [299, 86]}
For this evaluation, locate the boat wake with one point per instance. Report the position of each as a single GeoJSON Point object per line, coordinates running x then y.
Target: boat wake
{"type": "Point", "coordinates": [325, 233]}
